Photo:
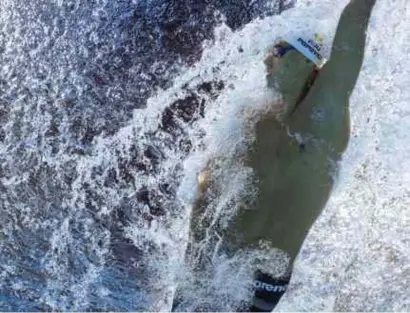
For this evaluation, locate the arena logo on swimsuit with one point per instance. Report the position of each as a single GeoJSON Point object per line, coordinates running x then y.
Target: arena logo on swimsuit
{"type": "Point", "coordinates": [315, 49]}
{"type": "Point", "coordinates": [269, 287]}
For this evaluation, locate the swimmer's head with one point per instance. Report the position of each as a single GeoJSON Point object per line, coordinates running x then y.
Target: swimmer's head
{"type": "Point", "coordinates": [288, 73]}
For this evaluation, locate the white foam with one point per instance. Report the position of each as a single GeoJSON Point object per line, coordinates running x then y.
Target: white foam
{"type": "Point", "coordinates": [369, 203]}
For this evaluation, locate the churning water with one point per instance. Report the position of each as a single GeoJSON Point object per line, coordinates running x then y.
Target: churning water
{"type": "Point", "coordinates": [108, 111]}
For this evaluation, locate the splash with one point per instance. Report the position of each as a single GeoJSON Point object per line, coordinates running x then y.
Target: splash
{"type": "Point", "coordinates": [97, 187]}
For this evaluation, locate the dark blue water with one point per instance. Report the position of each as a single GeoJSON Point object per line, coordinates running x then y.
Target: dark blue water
{"type": "Point", "coordinates": [72, 74]}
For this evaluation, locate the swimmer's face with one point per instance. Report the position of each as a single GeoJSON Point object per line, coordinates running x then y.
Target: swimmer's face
{"type": "Point", "coordinates": [288, 75]}
{"type": "Point", "coordinates": [288, 68]}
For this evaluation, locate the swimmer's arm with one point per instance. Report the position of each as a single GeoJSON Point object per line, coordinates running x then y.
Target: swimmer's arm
{"type": "Point", "coordinates": [348, 46]}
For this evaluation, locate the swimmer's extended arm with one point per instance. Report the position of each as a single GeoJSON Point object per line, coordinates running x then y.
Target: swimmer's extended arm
{"type": "Point", "coordinates": [348, 47]}
{"type": "Point", "coordinates": [324, 113]}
